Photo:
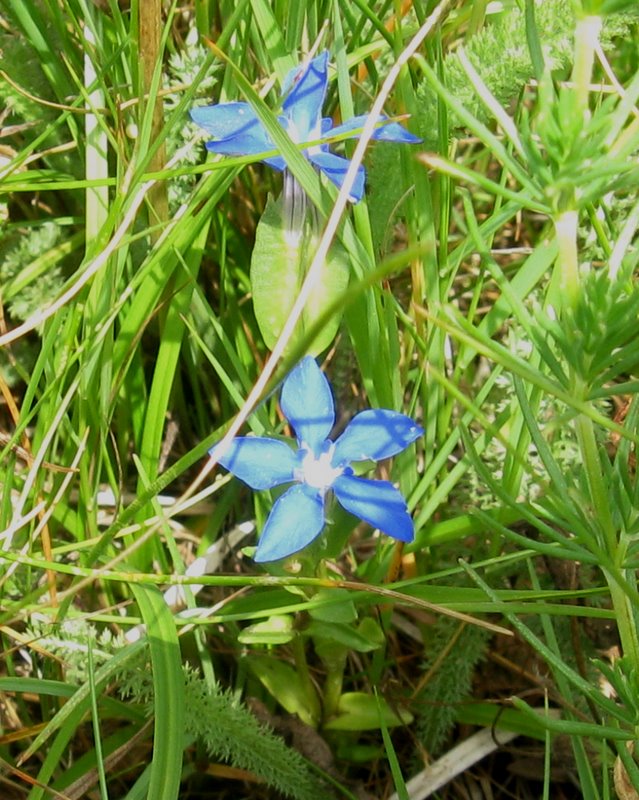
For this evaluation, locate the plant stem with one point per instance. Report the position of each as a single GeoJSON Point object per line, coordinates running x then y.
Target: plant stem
{"type": "Point", "coordinates": [96, 162]}
{"type": "Point", "coordinates": [150, 56]}
{"type": "Point", "coordinates": [601, 507]}
{"type": "Point", "coordinates": [586, 39]}
{"type": "Point", "coordinates": [567, 258]}
{"type": "Point", "coordinates": [334, 682]}
{"type": "Point", "coordinates": [626, 622]}
{"type": "Point", "coordinates": [301, 665]}
{"type": "Point", "coordinates": [596, 485]}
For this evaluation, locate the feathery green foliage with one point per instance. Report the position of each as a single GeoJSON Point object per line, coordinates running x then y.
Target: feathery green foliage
{"type": "Point", "coordinates": [501, 55]}
{"type": "Point", "coordinates": [231, 732]}
{"type": "Point", "coordinates": [28, 83]}
{"type": "Point", "coordinates": [29, 269]}
{"type": "Point", "coordinates": [213, 716]}
{"type": "Point", "coordinates": [499, 51]}
{"type": "Point", "coordinates": [450, 674]}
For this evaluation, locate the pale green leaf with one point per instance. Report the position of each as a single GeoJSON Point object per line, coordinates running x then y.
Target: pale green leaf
{"type": "Point", "coordinates": [279, 264]}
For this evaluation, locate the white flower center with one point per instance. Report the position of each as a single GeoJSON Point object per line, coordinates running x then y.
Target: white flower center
{"type": "Point", "coordinates": [319, 472]}
{"type": "Point", "coordinates": [314, 132]}
{"type": "Point", "coordinates": [293, 132]}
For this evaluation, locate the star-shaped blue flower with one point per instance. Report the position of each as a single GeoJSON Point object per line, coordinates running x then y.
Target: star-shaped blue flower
{"type": "Point", "coordinates": [319, 465]}
{"type": "Point", "coordinates": [237, 130]}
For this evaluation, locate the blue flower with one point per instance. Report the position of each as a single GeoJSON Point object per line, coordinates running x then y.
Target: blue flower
{"type": "Point", "coordinates": [319, 465]}
{"type": "Point", "coordinates": [237, 130]}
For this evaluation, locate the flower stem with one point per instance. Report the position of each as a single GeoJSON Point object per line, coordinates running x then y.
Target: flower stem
{"type": "Point", "coordinates": [334, 682]}
{"type": "Point", "coordinates": [301, 664]}
{"type": "Point", "coordinates": [294, 199]}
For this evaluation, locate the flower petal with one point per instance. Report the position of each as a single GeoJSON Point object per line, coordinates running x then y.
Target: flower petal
{"type": "Point", "coordinates": [307, 403]}
{"type": "Point", "coordinates": [394, 132]}
{"type": "Point", "coordinates": [305, 90]}
{"type": "Point", "coordinates": [378, 503]}
{"type": "Point", "coordinates": [334, 167]}
{"type": "Point", "coordinates": [375, 434]}
{"type": "Point", "coordinates": [259, 462]}
{"type": "Point", "coordinates": [390, 132]}
{"type": "Point", "coordinates": [228, 120]}
{"type": "Point", "coordinates": [246, 146]}
{"type": "Point", "coordinates": [240, 144]}
{"type": "Point", "coordinates": [237, 131]}
{"type": "Point", "coordinates": [277, 162]}
{"type": "Point", "coordinates": [295, 520]}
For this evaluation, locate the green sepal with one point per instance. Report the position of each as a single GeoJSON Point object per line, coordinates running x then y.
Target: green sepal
{"type": "Point", "coordinates": [357, 711]}
{"type": "Point", "coordinates": [278, 267]}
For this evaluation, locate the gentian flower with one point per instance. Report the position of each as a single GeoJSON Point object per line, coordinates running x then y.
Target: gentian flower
{"type": "Point", "coordinates": [319, 466]}
{"type": "Point", "coordinates": [237, 130]}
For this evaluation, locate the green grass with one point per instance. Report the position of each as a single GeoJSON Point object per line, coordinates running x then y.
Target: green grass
{"type": "Point", "coordinates": [493, 297]}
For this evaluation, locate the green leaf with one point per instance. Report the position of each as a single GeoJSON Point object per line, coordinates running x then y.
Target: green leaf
{"type": "Point", "coordinates": [286, 686]}
{"type": "Point", "coordinates": [330, 610]}
{"type": "Point", "coordinates": [278, 267]}
{"type": "Point", "coordinates": [357, 711]}
{"type": "Point", "coordinates": [366, 637]}
{"type": "Point", "coordinates": [277, 629]}
{"type": "Point", "coordinates": [391, 755]}
{"type": "Point", "coordinates": [168, 687]}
